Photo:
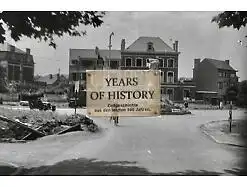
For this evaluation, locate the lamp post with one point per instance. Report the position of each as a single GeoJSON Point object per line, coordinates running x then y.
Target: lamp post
{"type": "Point", "coordinates": [230, 117]}
{"type": "Point", "coordinates": [110, 45]}
{"type": "Point", "coordinates": [77, 83]}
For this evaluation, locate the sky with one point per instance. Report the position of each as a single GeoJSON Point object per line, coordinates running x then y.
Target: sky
{"type": "Point", "coordinates": [198, 37]}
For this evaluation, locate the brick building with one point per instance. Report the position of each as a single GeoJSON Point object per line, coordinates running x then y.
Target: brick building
{"type": "Point", "coordinates": [136, 56]}
{"type": "Point", "coordinates": [18, 65]}
{"type": "Point", "coordinates": [212, 78]}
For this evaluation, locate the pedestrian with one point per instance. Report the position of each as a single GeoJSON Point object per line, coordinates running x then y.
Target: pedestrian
{"type": "Point", "coordinates": [114, 115]}
{"type": "Point", "coordinates": [1, 101]}
{"type": "Point", "coordinates": [186, 104]}
{"type": "Point", "coordinates": [221, 105]}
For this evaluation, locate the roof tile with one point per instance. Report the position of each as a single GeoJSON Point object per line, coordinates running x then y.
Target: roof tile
{"type": "Point", "coordinates": [219, 64]}
{"type": "Point", "coordinates": [140, 45]}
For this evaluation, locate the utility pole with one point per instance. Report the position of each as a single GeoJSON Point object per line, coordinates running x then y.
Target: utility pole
{"type": "Point", "coordinates": [110, 45]}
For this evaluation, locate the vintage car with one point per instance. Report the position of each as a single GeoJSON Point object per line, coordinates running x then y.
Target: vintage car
{"type": "Point", "coordinates": [24, 103]}
{"type": "Point", "coordinates": [35, 102]}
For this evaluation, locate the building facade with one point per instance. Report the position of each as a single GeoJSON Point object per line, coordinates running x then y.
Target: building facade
{"type": "Point", "coordinates": [18, 65]}
{"type": "Point", "coordinates": [212, 78]}
{"type": "Point", "coordinates": [134, 57]}
{"type": "Point", "coordinates": [81, 60]}
{"type": "Point", "coordinates": [137, 56]}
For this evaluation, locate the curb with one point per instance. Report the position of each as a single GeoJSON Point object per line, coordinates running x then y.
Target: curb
{"type": "Point", "coordinates": [219, 142]}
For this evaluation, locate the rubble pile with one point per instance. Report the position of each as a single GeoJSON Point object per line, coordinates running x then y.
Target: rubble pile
{"type": "Point", "coordinates": [24, 128]}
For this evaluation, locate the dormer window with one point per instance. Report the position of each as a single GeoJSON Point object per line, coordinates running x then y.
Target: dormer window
{"type": "Point", "coordinates": [150, 46]}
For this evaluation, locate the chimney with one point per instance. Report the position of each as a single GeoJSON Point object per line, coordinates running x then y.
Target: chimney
{"type": "Point", "coordinates": [123, 45]}
{"type": "Point", "coordinates": [227, 61]}
{"type": "Point", "coordinates": [176, 46]}
{"type": "Point", "coordinates": [12, 48]}
{"type": "Point", "coordinates": [58, 76]}
{"type": "Point", "coordinates": [196, 61]}
{"type": "Point", "coordinates": [28, 51]}
{"type": "Point", "coordinates": [50, 76]}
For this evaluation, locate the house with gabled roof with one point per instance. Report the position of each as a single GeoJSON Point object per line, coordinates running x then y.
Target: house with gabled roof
{"type": "Point", "coordinates": [137, 56]}
{"type": "Point", "coordinates": [212, 78]}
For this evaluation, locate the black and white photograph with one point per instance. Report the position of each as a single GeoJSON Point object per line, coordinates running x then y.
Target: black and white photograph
{"type": "Point", "coordinates": [123, 93]}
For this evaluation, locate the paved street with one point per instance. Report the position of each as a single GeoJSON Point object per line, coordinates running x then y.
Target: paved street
{"type": "Point", "coordinates": [171, 144]}
{"type": "Point", "coordinates": [166, 145]}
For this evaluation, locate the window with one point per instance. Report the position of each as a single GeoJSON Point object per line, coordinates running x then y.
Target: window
{"type": "Point", "coordinates": [82, 76]}
{"type": "Point", "coordinates": [162, 76]}
{"type": "Point", "coordinates": [114, 65]}
{"type": "Point", "coordinates": [232, 75]}
{"type": "Point", "coordinates": [170, 77]}
{"type": "Point", "coordinates": [161, 62]}
{"type": "Point", "coordinates": [169, 92]}
{"type": "Point", "coordinates": [74, 76]}
{"type": "Point", "coordinates": [74, 61]}
{"type": "Point", "coordinates": [128, 62]}
{"type": "Point", "coordinates": [164, 63]}
{"type": "Point", "coordinates": [220, 74]}
{"type": "Point", "coordinates": [150, 46]}
{"type": "Point", "coordinates": [170, 63]}
{"type": "Point", "coordinates": [220, 85]}
{"type": "Point", "coordinates": [139, 62]}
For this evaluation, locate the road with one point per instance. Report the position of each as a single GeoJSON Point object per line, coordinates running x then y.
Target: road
{"type": "Point", "coordinates": [167, 145]}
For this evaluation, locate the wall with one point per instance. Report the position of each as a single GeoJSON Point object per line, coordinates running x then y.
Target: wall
{"type": "Point", "coordinates": [226, 80]}
{"type": "Point", "coordinates": [145, 56]}
{"type": "Point", "coordinates": [205, 76]}
{"type": "Point", "coordinates": [85, 64]}
{"type": "Point", "coordinates": [19, 66]}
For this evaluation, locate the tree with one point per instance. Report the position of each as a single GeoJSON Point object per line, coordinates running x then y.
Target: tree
{"type": "Point", "coordinates": [47, 24]}
{"type": "Point", "coordinates": [237, 19]}
{"type": "Point", "coordinates": [242, 96]}
{"type": "Point", "coordinates": [3, 83]}
{"type": "Point", "coordinates": [231, 93]}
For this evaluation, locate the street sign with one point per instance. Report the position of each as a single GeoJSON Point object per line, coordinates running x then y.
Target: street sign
{"type": "Point", "coordinates": [123, 92]}
{"type": "Point", "coordinates": [77, 86]}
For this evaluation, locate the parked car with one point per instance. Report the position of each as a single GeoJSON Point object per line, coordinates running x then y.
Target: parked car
{"type": "Point", "coordinates": [35, 102]}
{"type": "Point", "coordinates": [24, 103]}
{"type": "Point", "coordinates": [41, 105]}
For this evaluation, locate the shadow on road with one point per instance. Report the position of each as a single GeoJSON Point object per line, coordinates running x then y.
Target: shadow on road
{"type": "Point", "coordinates": [93, 167]}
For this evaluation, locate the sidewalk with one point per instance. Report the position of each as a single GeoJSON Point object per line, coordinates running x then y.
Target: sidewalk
{"type": "Point", "coordinates": [219, 132]}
